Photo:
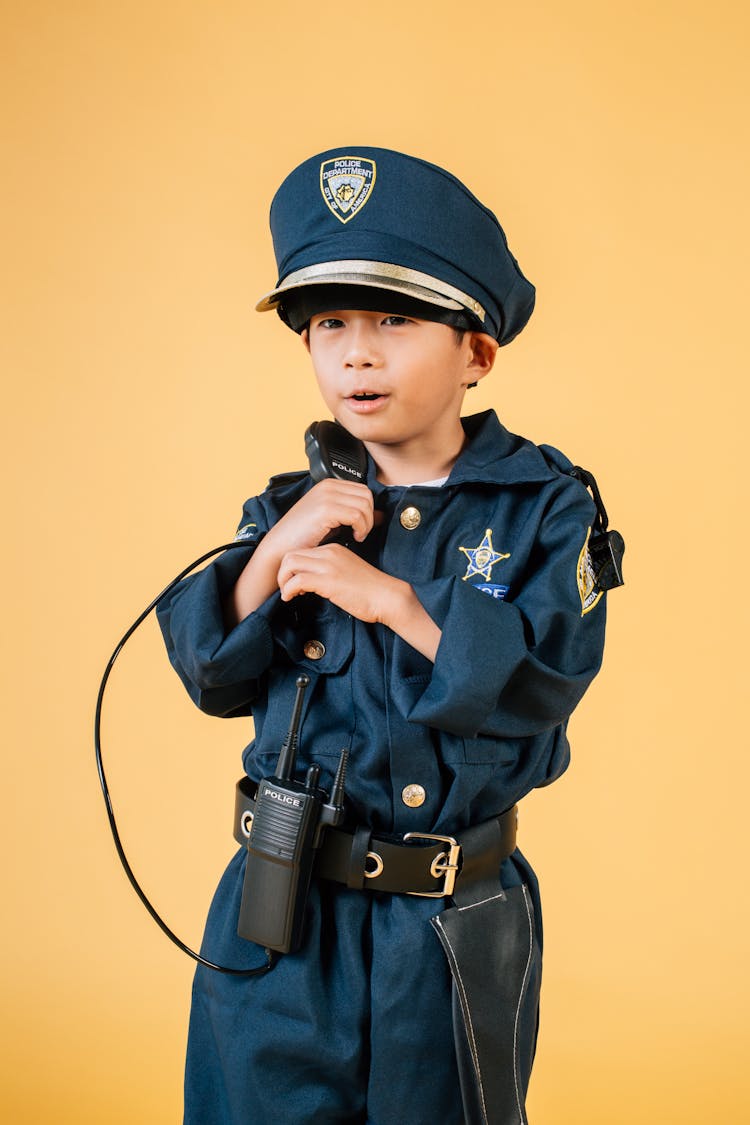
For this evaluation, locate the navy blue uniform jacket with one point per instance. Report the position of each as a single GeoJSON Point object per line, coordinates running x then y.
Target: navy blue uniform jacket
{"type": "Point", "coordinates": [483, 725]}
{"type": "Point", "coordinates": [498, 560]}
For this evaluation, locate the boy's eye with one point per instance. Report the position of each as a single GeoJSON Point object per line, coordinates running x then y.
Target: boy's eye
{"type": "Point", "coordinates": [329, 322]}
{"type": "Point", "coordinates": [396, 320]}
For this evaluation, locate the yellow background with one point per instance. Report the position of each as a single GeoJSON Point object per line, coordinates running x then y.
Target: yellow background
{"type": "Point", "coordinates": [143, 400]}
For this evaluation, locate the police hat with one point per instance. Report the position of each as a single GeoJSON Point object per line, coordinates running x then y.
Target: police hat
{"type": "Point", "coordinates": [374, 218]}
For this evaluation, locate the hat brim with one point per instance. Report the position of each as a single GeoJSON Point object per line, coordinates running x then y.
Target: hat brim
{"type": "Point", "coordinates": [376, 275]}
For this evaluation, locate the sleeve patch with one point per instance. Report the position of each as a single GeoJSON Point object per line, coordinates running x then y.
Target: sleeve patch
{"type": "Point", "coordinates": [246, 531]}
{"type": "Point", "coordinates": [589, 593]}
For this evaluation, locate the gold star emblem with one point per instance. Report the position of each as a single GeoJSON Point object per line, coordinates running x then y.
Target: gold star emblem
{"type": "Point", "coordinates": [482, 558]}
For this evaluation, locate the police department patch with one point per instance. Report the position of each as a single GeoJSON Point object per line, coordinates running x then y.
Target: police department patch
{"type": "Point", "coordinates": [482, 558]}
{"type": "Point", "coordinates": [346, 183]}
{"type": "Point", "coordinates": [586, 578]}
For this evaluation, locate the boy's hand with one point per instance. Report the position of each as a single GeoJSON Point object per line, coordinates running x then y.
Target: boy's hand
{"type": "Point", "coordinates": [330, 504]}
{"type": "Point", "coordinates": [335, 573]}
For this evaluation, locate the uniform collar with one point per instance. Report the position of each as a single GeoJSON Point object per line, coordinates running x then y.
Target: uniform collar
{"type": "Point", "coordinates": [492, 455]}
{"type": "Point", "coordinates": [497, 456]}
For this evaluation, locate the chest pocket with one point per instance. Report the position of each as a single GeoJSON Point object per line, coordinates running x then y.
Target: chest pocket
{"type": "Point", "coordinates": [316, 635]}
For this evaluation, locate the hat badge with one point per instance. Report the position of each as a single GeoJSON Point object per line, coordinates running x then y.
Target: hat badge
{"type": "Point", "coordinates": [346, 183]}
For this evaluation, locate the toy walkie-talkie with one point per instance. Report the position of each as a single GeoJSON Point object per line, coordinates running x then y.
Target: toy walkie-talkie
{"type": "Point", "coordinates": [286, 831]}
{"type": "Point", "coordinates": [333, 452]}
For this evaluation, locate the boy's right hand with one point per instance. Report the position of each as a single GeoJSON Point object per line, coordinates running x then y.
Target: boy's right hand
{"type": "Point", "coordinates": [330, 504]}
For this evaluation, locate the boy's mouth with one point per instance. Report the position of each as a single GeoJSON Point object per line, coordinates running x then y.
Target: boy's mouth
{"type": "Point", "coordinates": [364, 402]}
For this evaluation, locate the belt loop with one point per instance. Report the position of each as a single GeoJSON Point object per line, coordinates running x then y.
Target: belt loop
{"type": "Point", "coordinates": [360, 847]}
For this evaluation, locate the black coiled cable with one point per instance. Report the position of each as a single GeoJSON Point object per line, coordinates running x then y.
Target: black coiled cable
{"type": "Point", "coordinates": [271, 956]}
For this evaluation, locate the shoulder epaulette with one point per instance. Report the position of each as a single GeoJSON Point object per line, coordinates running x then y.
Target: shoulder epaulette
{"type": "Point", "coordinates": [555, 459]}
{"type": "Point", "coordinates": [282, 479]}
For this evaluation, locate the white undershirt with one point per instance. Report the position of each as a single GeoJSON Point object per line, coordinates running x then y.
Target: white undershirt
{"type": "Point", "coordinates": [428, 483]}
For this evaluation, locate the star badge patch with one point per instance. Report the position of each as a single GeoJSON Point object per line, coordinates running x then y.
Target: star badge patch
{"type": "Point", "coordinates": [346, 183]}
{"type": "Point", "coordinates": [482, 558]}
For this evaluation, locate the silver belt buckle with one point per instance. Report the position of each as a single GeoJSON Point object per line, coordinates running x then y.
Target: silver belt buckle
{"type": "Point", "coordinates": [445, 864]}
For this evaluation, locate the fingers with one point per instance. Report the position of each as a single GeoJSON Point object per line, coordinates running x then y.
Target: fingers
{"type": "Point", "coordinates": [308, 572]}
{"type": "Point", "coordinates": [341, 503]}
{"type": "Point", "coordinates": [330, 504]}
{"type": "Point", "coordinates": [340, 576]}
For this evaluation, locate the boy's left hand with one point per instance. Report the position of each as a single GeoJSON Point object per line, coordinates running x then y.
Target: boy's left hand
{"type": "Point", "coordinates": [337, 574]}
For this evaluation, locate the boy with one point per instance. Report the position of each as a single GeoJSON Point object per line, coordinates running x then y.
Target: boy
{"type": "Point", "coordinates": [446, 648]}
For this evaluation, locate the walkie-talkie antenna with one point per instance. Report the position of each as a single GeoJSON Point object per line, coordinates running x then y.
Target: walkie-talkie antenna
{"type": "Point", "coordinates": [337, 793]}
{"type": "Point", "coordinates": [288, 752]}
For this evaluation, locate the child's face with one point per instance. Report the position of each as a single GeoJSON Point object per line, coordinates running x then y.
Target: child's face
{"type": "Point", "coordinates": [391, 379]}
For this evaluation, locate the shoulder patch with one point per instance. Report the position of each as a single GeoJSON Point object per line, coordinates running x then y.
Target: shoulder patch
{"type": "Point", "coordinates": [246, 531]}
{"type": "Point", "coordinates": [586, 578]}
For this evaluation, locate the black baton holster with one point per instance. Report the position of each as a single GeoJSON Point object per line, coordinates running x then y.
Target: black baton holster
{"type": "Point", "coordinates": [489, 938]}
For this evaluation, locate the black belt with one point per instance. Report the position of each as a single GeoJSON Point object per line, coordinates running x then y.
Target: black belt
{"type": "Point", "coordinates": [418, 863]}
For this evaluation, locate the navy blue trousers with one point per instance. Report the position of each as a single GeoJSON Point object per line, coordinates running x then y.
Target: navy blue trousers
{"type": "Point", "coordinates": [357, 1027]}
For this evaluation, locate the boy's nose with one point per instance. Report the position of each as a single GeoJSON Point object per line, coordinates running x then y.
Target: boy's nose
{"type": "Point", "coordinates": [361, 346]}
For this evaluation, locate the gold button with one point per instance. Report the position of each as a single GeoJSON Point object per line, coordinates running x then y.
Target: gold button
{"type": "Point", "coordinates": [313, 650]}
{"type": "Point", "coordinates": [413, 796]}
{"type": "Point", "coordinates": [410, 518]}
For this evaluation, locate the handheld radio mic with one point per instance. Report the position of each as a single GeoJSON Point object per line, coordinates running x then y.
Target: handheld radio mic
{"type": "Point", "coordinates": [333, 452]}
{"type": "Point", "coordinates": [286, 831]}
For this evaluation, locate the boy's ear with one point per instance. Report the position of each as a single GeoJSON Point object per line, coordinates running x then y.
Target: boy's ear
{"type": "Point", "coordinates": [305, 337]}
{"type": "Point", "coordinates": [482, 352]}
